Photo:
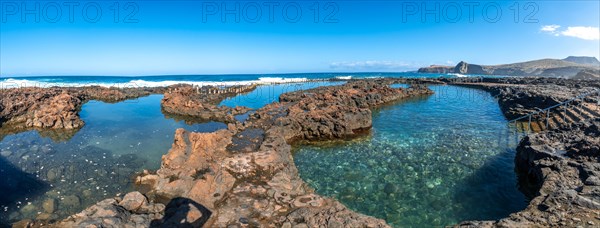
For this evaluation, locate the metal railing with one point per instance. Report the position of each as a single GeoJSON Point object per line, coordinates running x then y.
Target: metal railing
{"type": "Point", "coordinates": [558, 108]}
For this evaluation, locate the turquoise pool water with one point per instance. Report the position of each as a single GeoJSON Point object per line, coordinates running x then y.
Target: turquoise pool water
{"type": "Point", "coordinates": [99, 161]}
{"type": "Point", "coordinates": [429, 161]}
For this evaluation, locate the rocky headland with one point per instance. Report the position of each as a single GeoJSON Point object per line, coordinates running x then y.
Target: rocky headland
{"type": "Point", "coordinates": [570, 67]}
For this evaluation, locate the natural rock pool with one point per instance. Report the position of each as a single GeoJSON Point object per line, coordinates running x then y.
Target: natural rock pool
{"type": "Point", "coordinates": [48, 179]}
{"type": "Point", "coordinates": [429, 161]}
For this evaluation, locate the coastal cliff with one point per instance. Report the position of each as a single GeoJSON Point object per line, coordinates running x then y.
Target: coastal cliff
{"type": "Point", "coordinates": [563, 68]}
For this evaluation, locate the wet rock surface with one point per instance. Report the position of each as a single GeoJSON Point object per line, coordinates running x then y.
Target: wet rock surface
{"type": "Point", "coordinates": [216, 187]}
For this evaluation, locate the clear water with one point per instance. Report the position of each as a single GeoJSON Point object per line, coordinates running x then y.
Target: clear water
{"type": "Point", "coordinates": [400, 85]}
{"type": "Point", "coordinates": [99, 161]}
{"type": "Point", "coordinates": [429, 161]}
{"type": "Point", "coordinates": [267, 94]}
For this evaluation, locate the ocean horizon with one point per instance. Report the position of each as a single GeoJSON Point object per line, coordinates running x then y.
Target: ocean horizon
{"type": "Point", "coordinates": [199, 80]}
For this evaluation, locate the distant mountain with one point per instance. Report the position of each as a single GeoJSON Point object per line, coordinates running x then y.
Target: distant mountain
{"type": "Point", "coordinates": [586, 60]}
{"type": "Point", "coordinates": [542, 67]}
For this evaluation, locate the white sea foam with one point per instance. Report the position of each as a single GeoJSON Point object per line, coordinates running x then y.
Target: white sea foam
{"type": "Point", "coordinates": [344, 77]}
{"type": "Point", "coordinates": [18, 83]}
{"type": "Point", "coordinates": [271, 80]}
{"type": "Point", "coordinates": [458, 75]}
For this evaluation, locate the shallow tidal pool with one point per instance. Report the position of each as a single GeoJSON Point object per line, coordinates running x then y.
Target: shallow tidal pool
{"type": "Point", "coordinates": [429, 161]}
{"type": "Point", "coordinates": [43, 178]}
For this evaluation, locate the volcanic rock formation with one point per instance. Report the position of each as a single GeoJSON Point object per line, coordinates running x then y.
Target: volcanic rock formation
{"type": "Point", "coordinates": [224, 186]}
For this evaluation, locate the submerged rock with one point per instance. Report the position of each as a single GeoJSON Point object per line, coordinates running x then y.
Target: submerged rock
{"type": "Point", "coordinates": [6, 153]}
{"type": "Point", "coordinates": [71, 202]}
{"type": "Point", "coordinates": [49, 205]}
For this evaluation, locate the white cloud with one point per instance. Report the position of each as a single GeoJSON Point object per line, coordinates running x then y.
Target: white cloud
{"type": "Point", "coordinates": [586, 33]}
{"type": "Point", "coordinates": [371, 65]}
{"type": "Point", "coordinates": [581, 32]}
{"type": "Point", "coordinates": [550, 28]}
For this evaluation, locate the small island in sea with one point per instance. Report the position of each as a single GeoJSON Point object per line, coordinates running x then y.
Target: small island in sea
{"type": "Point", "coordinates": [299, 114]}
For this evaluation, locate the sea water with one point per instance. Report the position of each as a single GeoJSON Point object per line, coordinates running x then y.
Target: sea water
{"type": "Point", "coordinates": [201, 80]}
{"type": "Point", "coordinates": [429, 161]}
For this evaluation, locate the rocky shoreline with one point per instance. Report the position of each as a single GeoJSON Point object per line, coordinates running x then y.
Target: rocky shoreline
{"type": "Point", "coordinates": [562, 172]}
{"type": "Point", "coordinates": [245, 175]}
{"type": "Point", "coordinates": [559, 169]}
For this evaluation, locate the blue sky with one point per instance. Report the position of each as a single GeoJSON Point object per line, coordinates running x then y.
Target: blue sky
{"type": "Point", "coordinates": [198, 37]}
